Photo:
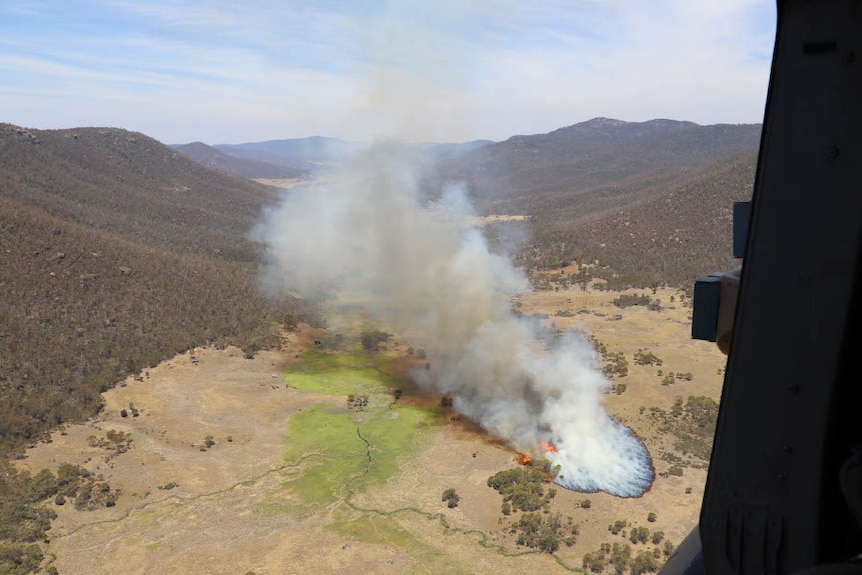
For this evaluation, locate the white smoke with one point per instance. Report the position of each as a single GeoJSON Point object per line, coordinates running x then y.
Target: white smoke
{"type": "Point", "coordinates": [426, 272]}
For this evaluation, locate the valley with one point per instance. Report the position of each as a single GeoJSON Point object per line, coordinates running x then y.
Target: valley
{"type": "Point", "coordinates": [263, 465]}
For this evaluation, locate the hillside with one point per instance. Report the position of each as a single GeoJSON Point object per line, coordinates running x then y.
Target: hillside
{"type": "Point", "coordinates": [679, 229]}
{"type": "Point", "coordinates": [304, 154]}
{"type": "Point", "coordinates": [243, 167]}
{"type": "Point", "coordinates": [595, 153]}
{"type": "Point", "coordinates": [650, 201]}
{"type": "Point", "coordinates": [117, 252]}
{"type": "Point", "coordinates": [318, 153]}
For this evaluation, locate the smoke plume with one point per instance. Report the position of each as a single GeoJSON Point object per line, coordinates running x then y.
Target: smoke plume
{"type": "Point", "coordinates": [421, 268]}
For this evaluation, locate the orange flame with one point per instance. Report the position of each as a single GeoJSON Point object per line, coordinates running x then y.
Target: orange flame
{"type": "Point", "coordinates": [525, 459]}
{"type": "Point", "coordinates": [548, 447]}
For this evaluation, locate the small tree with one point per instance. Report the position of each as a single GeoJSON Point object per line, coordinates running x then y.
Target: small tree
{"type": "Point", "coordinates": [451, 497]}
{"type": "Point", "coordinates": [668, 548]}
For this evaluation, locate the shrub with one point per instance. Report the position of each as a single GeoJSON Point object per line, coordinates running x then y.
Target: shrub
{"type": "Point", "coordinates": [644, 562]}
{"type": "Point", "coordinates": [628, 300]}
{"type": "Point", "coordinates": [617, 527]}
{"type": "Point", "coordinates": [646, 357]}
{"type": "Point", "coordinates": [451, 497]}
{"type": "Point", "coordinates": [639, 535]}
{"type": "Point", "coordinates": [651, 517]}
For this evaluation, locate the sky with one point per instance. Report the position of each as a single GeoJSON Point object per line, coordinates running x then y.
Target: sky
{"type": "Point", "coordinates": [222, 71]}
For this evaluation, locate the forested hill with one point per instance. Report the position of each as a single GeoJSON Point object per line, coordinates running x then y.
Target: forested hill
{"type": "Point", "coordinates": [595, 153]}
{"type": "Point", "coordinates": [650, 201]}
{"type": "Point", "coordinates": [116, 252]}
{"type": "Point", "coordinates": [674, 227]}
{"type": "Point", "coordinates": [245, 167]}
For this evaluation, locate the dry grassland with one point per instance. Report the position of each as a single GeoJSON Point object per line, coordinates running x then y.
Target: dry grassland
{"type": "Point", "coordinates": [233, 508]}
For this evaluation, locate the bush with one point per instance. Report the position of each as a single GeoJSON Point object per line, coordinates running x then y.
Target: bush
{"type": "Point", "coordinates": [651, 517]}
{"type": "Point", "coordinates": [586, 504]}
{"type": "Point", "coordinates": [617, 364]}
{"type": "Point", "coordinates": [639, 535]}
{"type": "Point", "coordinates": [617, 527]}
{"type": "Point", "coordinates": [451, 497]}
{"type": "Point", "coordinates": [20, 559]}
{"type": "Point", "coordinates": [522, 487]}
{"type": "Point", "coordinates": [644, 562]}
{"type": "Point", "coordinates": [646, 357]}
{"type": "Point", "coordinates": [657, 537]}
{"type": "Point", "coordinates": [628, 300]}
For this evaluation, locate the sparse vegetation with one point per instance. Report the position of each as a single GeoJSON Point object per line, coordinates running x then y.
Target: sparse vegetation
{"type": "Point", "coordinates": [617, 526]}
{"type": "Point", "coordinates": [644, 562]}
{"type": "Point", "coordinates": [616, 365]}
{"type": "Point", "coordinates": [646, 357]}
{"type": "Point", "coordinates": [372, 340]}
{"type": "Point", "coordinates": [639, 535]}
{"type": "Point", "coordinates": [451, 497]}
{"type": "Point", "coordinates": [522, 487]}
{"type": "Point", "coordinates": [628, 300]}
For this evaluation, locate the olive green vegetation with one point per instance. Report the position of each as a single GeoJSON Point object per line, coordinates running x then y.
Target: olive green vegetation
{"type": "Point", "coordinates": [354, 449]}
{"type": "Point", "coordinates": [351, 451]}
{"type": "Point", "coordinates": [340, 373]}
{"type": "Point", "coordinates": [384, 530]}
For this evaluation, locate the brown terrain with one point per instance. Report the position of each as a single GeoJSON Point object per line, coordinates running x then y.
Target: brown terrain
{"type": "Point", "coordinates": [229, 511]}
{"type": "Point", "coordinates": [120, 255]}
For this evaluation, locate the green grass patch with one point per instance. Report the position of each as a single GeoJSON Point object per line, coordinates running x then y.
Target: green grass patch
{"type": "Point", "coordinates": [340, 373]}
{"type": "Point", "coordinates": [344, 456]}
{"type": "Point", "coordinates": [378, 529]}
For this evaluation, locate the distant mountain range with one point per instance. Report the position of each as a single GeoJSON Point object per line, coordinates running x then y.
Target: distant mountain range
{"type": "Point", "coordinates": [300, 157]}
{"type": "Point", "coordinates": [571, 182]}
{"type": "Point", "coordinates": [244, 167]}
{"type": "Point", "coordinates": [595, 153]}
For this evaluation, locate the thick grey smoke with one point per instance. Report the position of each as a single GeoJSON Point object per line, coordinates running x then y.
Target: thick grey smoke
{"type": "Point", "coordinates": [422, 269]}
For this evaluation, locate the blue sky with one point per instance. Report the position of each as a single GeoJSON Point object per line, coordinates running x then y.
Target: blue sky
{"type": "Point", "coordinates": [222, 71]}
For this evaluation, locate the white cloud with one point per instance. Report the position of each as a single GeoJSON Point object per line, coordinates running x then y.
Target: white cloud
{"type": "Point", "coordinates": [225, 72]}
